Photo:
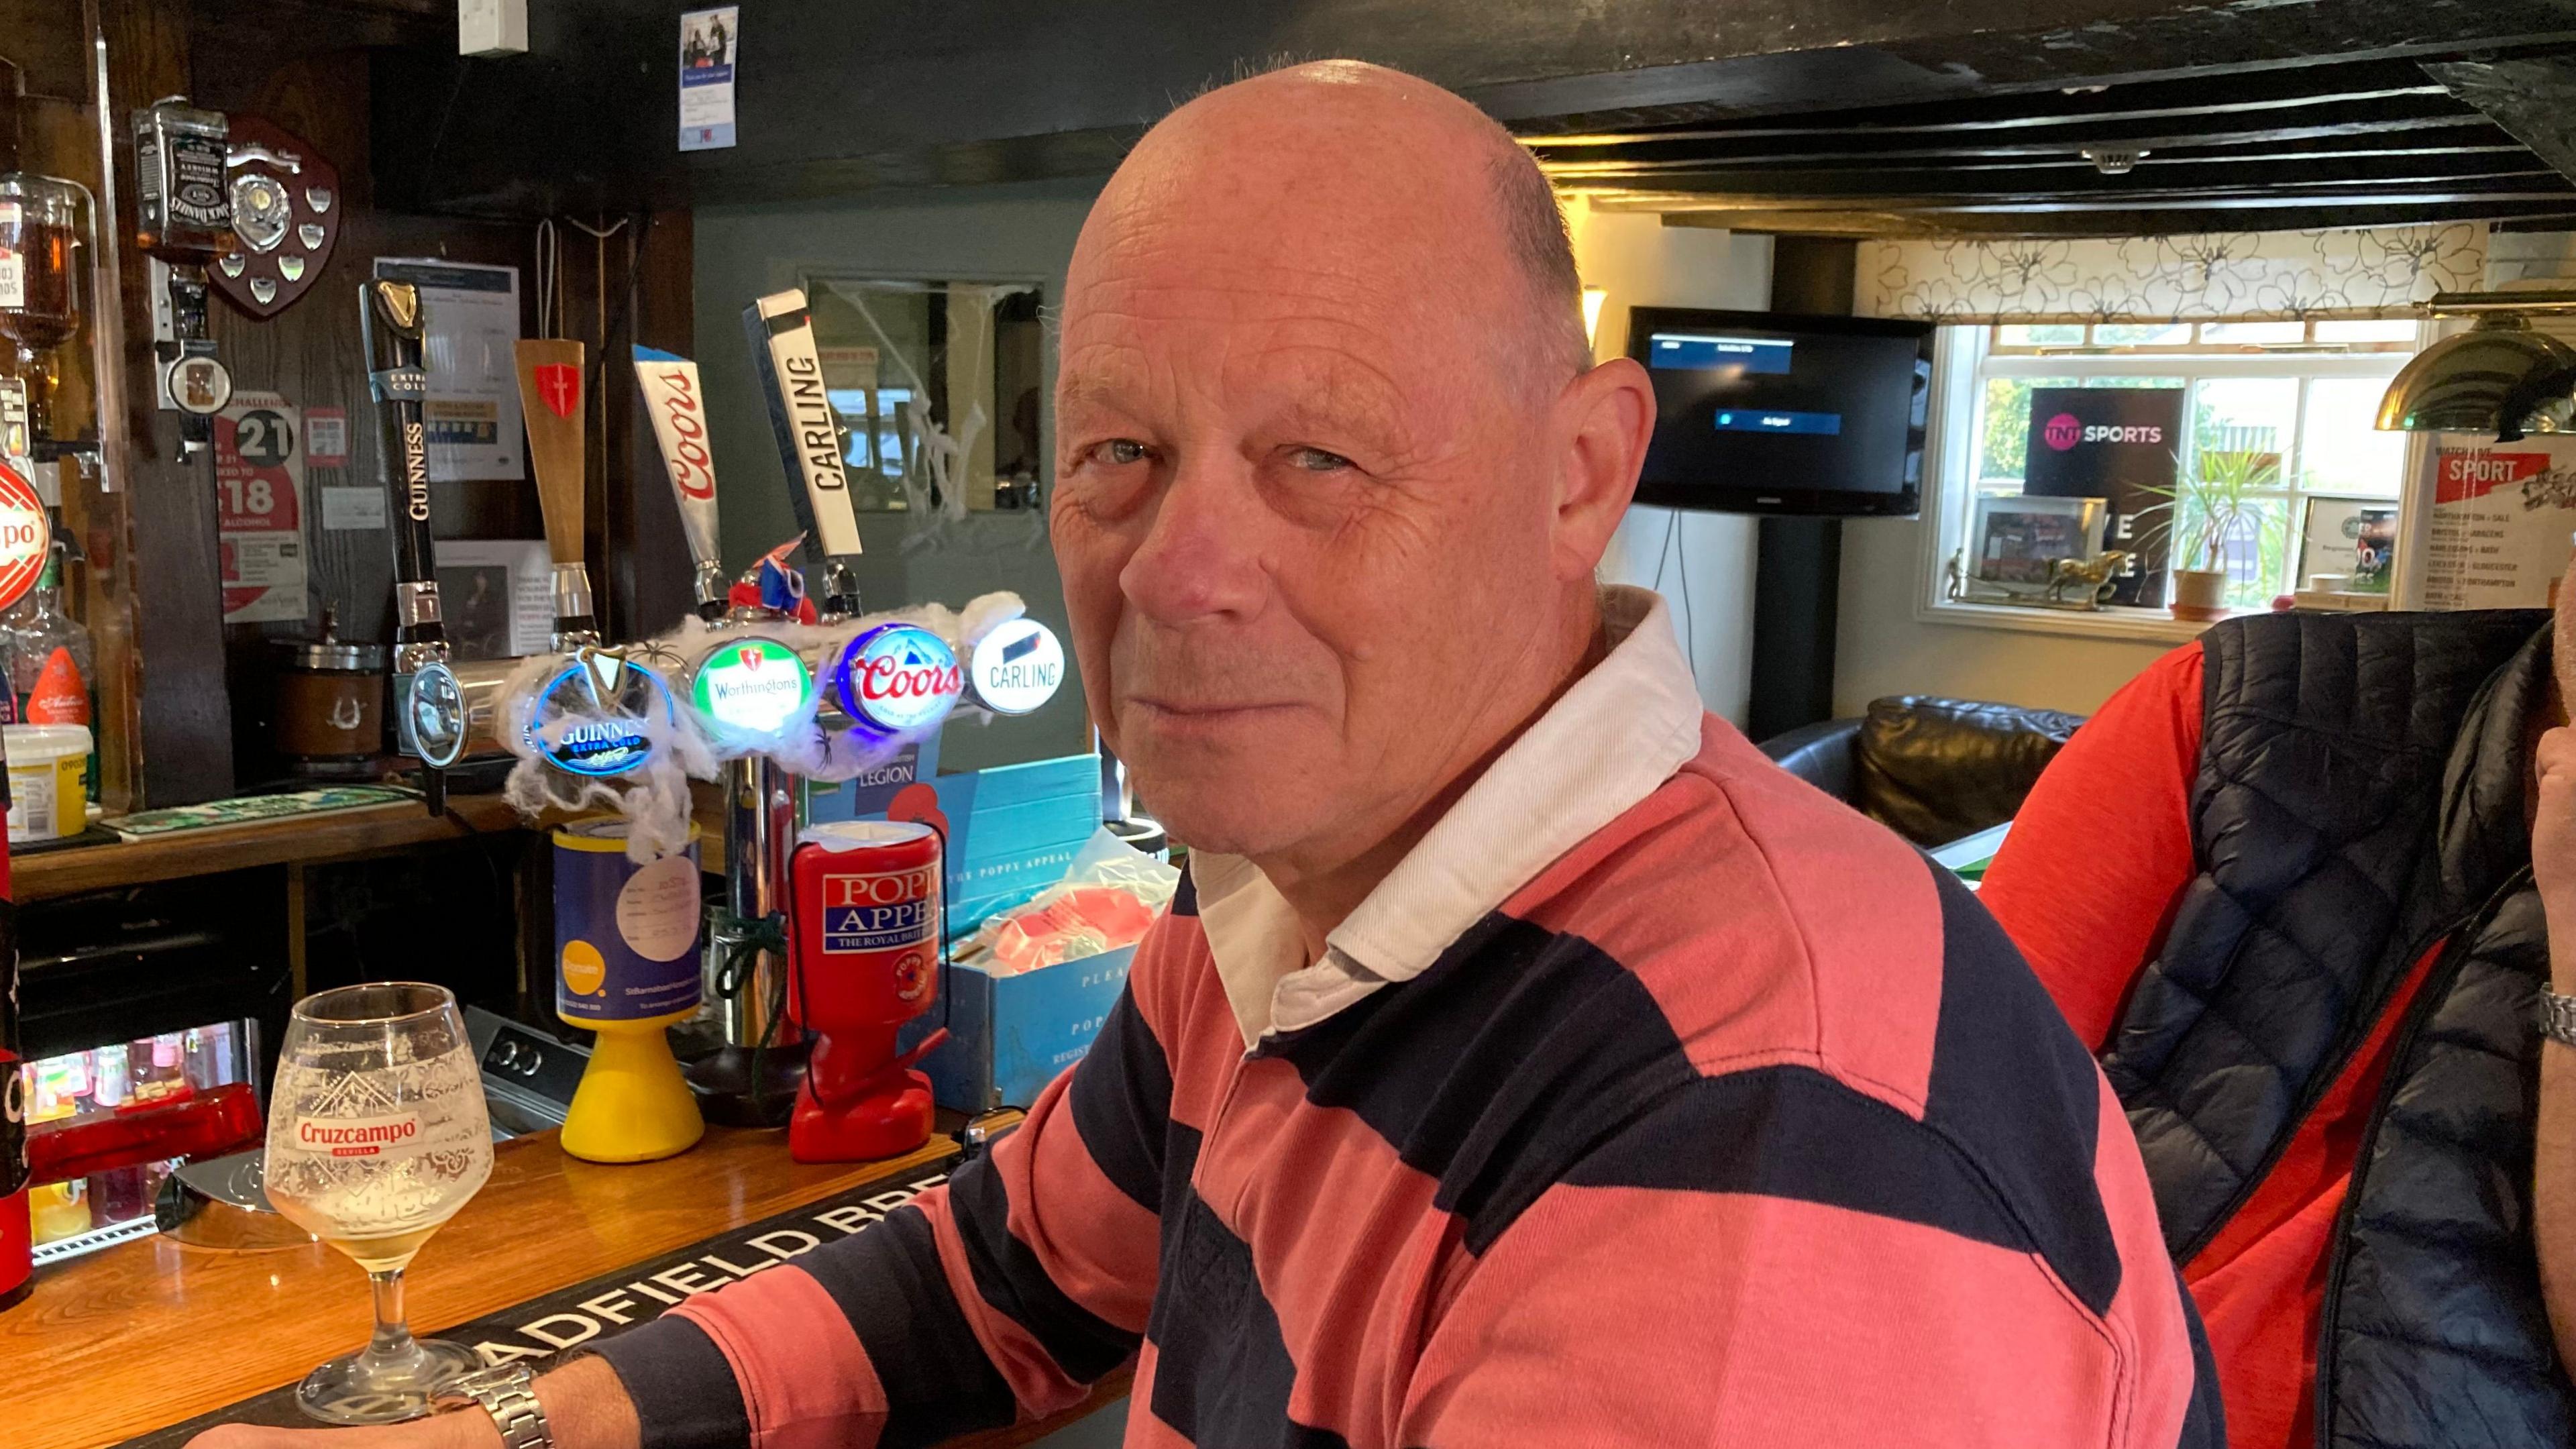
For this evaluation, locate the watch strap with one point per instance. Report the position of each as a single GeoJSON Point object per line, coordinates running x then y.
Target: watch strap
{"type": "Point", "coordinates": [509, 1395]}
{"type": "Point", "coordinates": [2556, 1016]}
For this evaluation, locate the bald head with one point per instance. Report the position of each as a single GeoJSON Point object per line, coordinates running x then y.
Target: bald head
{"type": "Point", "coordinates": [1388, 158]}
{"type": "Point", "coordinates": [1333, 469]}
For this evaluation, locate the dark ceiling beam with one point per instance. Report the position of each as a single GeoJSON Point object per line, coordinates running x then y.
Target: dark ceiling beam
{"type": "Point", "coordinates": [2078, 177]}
{"type": "Point", "coordinates": [2550, 215]}
{"type": "Point", "coordinates": [2339, 118]}
{"type": "Point", "coordinates": [2294, 88]}
{"type": "Point", "coordinates": [2466, 132]}
{"type": "Point", "coordinates": [2510, 197]}
{"type": "Point", "coordinates": [1018, 89]}
{"type": "Point", "coordinates": [2534, 100]}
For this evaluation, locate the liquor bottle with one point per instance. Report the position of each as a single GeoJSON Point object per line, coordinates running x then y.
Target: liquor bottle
{"type": "Point", "coordinates": [44, 225]}
{"type": "Point", "coordinates": [51, 662]}
{"type": "Point", "coordinates": [184, 220]}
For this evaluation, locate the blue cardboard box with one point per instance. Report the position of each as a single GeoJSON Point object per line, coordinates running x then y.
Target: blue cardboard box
{"type": "Point", "coordinates": [1012, 830]}
{"type": "Point", "coordinates": [1008, 1036]}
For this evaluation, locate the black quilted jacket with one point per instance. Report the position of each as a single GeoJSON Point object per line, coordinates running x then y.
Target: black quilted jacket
{"type": "Point", "coordinates": [2360, 801]}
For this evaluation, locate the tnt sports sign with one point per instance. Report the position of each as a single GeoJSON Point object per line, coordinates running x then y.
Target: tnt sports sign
{"type": "Point", "coordinates": [25, 537]}
{"type": "Point", "coordinates": [2066, 431]}
{"type": "Point", "coordinates": [2116, 444]}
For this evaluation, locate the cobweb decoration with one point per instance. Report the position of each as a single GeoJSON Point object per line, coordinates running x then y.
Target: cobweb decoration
{"type": "Point", "coordinates": [654, 796]}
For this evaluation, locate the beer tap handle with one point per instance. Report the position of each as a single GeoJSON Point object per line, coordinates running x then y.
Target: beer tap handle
{"type": "Point", "coordinates": [781, 331]}
{"type": "Point", "coordinates": [677, 405]}
{"type": "Point", "coordinates": [553, 401]}
{"type": "Point", "coordinates": [429, 704]}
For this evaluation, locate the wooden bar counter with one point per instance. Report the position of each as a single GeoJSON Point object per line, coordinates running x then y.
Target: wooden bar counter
{"type": "Point", "coordinates": [148, 1333]}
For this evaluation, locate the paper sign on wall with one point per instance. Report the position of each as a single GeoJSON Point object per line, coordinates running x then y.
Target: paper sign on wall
{"type": "Point", "coordinates": [2501, 517]}
{"type": "Point", "coordinates": [469, 318]}
{"type": "Point", "coordinates": [709, 40]}
{"type": "Point", "coordinates": [259, 510]}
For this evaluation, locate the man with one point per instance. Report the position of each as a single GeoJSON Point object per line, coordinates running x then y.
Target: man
{"type": "Point", "coordinates": [2283, 882]}
{"type": "Point", "coordinates": [1526, 1060]}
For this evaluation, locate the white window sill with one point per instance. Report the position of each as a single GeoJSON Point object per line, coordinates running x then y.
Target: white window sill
{"type": "Point", "coordinates": [2146, 625]}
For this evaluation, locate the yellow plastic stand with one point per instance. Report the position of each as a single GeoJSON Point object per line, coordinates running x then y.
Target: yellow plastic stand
{"type": "Point", "coordinates": [632, 1105]}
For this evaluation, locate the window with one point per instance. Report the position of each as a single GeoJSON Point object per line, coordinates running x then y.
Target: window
{"type": "Point", "coordinates": [2291, 401]}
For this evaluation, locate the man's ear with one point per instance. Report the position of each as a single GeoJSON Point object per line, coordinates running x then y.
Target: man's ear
{"type": "Point", "coordinates": [1604, 416]}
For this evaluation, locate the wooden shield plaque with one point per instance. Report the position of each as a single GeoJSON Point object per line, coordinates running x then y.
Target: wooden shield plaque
{"type": "Point", "coordinates": [286, 218]}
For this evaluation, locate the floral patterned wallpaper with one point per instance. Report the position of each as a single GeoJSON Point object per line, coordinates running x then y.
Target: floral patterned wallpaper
{"type": "Point", "coordinates": [2365, 272]}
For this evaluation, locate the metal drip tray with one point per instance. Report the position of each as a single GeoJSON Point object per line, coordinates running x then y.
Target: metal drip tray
{"type": "Point", "coordinates": [223, 1203]}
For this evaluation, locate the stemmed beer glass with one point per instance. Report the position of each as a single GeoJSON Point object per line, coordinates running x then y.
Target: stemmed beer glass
{"type": "Point", "coordinates": [377, 1134]}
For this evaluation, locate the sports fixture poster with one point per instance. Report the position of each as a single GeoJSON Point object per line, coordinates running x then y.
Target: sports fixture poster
{"type": "Point", "coordinates": [2497, 537]}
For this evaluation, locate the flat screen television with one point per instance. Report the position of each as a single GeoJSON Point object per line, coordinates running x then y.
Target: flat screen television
{"type": "Point", "coordinates": [1766, 412]}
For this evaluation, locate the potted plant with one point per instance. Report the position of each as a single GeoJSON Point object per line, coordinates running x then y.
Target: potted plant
{"type": "Point", "coordinates": [2208, 506]}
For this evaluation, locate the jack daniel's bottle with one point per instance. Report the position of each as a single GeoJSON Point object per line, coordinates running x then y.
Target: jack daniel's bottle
{"type": "Point", "coordinates": [184, 219]}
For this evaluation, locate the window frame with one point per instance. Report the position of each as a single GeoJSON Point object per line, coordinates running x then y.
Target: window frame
{"type": "Point", "coordinates": [1964, 357]}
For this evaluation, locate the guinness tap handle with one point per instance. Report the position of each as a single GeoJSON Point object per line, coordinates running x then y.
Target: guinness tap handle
{"type": "Point", "coordinates": [429, 705]}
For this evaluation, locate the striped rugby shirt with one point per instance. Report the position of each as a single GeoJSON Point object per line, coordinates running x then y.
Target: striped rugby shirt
{"type": "Point", "coordinates": [1654, 1098]}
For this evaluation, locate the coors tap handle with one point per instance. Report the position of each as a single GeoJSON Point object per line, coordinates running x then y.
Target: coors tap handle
{"type": "Point", "coordinates": [678, 407]}
{"type": "Point", "coordinates": [429, 705]}
{"type": "Point", "coordinates": [809, 440]}
{"type": "Point", "coordinates": [552, 401]}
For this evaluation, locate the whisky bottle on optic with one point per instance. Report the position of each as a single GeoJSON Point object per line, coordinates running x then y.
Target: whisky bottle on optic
{"type": "Point", "coordinates": [184, 221]}
{"type": "Point", "coordinates": [44, 233]}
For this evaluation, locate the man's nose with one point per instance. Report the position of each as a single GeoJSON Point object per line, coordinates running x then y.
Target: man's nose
{"type": "Point", "coordinates": [1200, 556]}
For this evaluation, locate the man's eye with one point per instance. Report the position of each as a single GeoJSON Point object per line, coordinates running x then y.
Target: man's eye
{"type": "Point", "coordinates": [1122, 451]}
{"type": "Point", "coordinates": [1316, 460]}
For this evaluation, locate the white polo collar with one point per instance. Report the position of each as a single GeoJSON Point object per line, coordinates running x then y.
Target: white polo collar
{"type": "Point", "coordinates": [1608, 742]}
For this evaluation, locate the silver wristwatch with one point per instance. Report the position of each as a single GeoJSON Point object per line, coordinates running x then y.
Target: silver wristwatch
{"type": "Point", "coordinates": [506, 1394]}
{"type": "Point", "coordinates": [2556, 1016]}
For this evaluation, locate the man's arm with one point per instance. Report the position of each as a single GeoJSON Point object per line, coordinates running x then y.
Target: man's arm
{"type": "Point", "coordinates": [2553, 1192]}
{"type": "Point", "coordinates": [585, 1407]}
{"type": "Point", "coordinates": [2101, 851]}
{"type": "Point", "coordinates": [1003, 1292]}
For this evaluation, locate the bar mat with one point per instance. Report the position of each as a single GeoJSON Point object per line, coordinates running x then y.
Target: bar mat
{"type": "Point", "coordinates": [249, 808]}
{"type": "Point", "coordinates": [609, 1304]}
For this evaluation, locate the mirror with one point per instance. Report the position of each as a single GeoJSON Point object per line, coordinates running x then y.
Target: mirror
{"type": "Point", "coordinates": [939, 390]}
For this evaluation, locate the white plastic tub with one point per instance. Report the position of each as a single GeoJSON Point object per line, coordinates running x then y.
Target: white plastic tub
{"type": "Point", "coordinates": [47, 797]}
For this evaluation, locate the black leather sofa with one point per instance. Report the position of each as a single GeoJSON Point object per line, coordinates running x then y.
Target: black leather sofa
{"type": "Point", "coordinates": [1930, 769]}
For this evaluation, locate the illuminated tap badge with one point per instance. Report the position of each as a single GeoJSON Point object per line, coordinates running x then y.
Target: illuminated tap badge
{"type": "Point", "coordinates": [595, 717]}
{"type": "Point", "coordinates": [24, 536]}
{"type": "Point", "coordinates": [1016, 667]}
{"type": "Point", "coordinates": [898, 678]}
{"type": "Point", "coordinates": [752, 688]}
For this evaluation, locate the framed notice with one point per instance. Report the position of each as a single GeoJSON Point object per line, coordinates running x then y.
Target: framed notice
{"type": "Point", "coordinates": [2353, 539]}
{"type": "Point", "coordinates": [469, 316]}
{"type": "Point", "coordinates": [259, 510]}
{"type": "Point", "coordinates": [498, 596]}
{"type": "Point", "coordinates": [2018, 538]}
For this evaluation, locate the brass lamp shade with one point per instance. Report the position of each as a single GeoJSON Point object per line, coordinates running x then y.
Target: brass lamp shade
{"type": "Point", "coordinates": [2500, 377]}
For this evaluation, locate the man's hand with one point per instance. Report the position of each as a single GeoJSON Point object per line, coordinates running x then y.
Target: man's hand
{"type": "Point", "coordinates": [445, 1431]}
{"type": "Point", "coordinates": [586, 1408]}
{"type": "Point", "coordinates": [2553, 848]}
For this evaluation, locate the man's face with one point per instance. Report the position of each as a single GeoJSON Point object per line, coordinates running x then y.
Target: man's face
{"type": "Point", "coordinates": [1301, 511]}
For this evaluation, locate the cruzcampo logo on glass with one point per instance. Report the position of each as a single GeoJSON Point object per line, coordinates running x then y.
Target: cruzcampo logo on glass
{"type": "Point", "coordinates": [752, 688]}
